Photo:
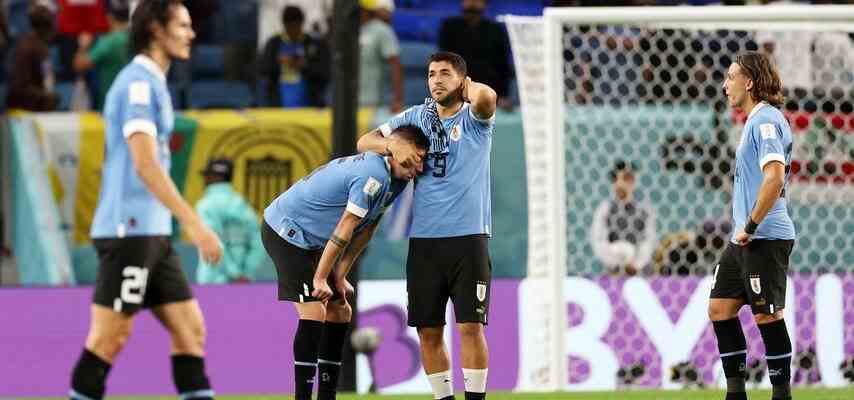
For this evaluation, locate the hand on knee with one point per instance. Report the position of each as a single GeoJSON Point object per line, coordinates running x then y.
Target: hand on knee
{"type": "Point", "coordinates": [339, 312]}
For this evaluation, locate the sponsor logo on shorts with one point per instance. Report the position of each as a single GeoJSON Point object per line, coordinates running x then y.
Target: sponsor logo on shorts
{"type": "Point", "coordinates": [755, 284]}
{"type": "Point", "coordinates": [481, 292]}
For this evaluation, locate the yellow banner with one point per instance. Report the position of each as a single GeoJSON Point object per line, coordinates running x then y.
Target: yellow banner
{"type": "Point", "coordinates": [89, 174]}
{"type": "Point", "coordinates": [271, 148]}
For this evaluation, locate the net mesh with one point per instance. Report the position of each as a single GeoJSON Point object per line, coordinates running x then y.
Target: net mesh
{"type": "Point", "coordinates": [649, 157]}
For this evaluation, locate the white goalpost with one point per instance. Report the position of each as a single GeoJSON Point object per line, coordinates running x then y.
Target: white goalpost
{"type": "Point", "coordinates": [642, 86]}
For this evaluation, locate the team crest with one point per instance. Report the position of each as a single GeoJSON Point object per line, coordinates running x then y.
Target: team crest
{"type": "Point", "coordinates": [481, 292]}
{"type": "Point", "coordinates": [755, 286]}
{"type": "Point", "coordinates": [456, 134]}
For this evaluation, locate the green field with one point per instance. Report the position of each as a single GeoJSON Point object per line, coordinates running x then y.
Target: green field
{"type": "Point", "coordinates": [799, 394]}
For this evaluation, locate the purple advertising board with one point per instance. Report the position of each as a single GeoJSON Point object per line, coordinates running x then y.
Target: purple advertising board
{"type": "Point", "coordinates": [250, 335]}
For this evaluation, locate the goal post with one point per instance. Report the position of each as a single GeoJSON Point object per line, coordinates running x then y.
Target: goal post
{"type": "Point", "coordinates": [642, 86]}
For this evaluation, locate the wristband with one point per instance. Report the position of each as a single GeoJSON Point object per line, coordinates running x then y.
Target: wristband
{"type": "Point", "coordinates": [750, 227]}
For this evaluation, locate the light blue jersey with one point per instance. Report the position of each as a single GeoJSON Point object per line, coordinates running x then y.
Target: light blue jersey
{"type": "Point", "coordinates": [307, 213]}
{"type": "Point", "coordinates": [452, 197]}
{"type": "Point", "coordinates": [766, 137]}
{"type": "Point", "coordinates": [138, 101]}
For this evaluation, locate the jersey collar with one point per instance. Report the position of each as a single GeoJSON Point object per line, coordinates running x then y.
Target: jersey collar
{"type": "Point", "coordinates": [150, 65]}
{"type": "Point", "coordinates": [756, 109]}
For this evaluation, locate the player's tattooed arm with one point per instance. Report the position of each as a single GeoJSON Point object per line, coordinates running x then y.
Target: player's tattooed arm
{"type": "Point", "coordinates": [482, 98]}
{"type": "Point", "coordinates": [355, 249]}
{"type": "Point", "coordinates": [402, 150]}
{"type": "Point", "coordinates": [334, 247]}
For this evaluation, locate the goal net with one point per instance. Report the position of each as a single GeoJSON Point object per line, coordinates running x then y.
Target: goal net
{"type": "Point", "coordinates": [630, 149]}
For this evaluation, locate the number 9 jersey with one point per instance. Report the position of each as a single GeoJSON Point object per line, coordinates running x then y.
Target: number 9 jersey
{"type": "Point", "coordinates": [452, 197]}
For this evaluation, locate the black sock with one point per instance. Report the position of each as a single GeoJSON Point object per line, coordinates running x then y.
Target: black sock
{"type": "Point", "coordinates": [733, 349]}
{"type": "Point", "coordinates": [447, 398]}
{"type": "Point", "coordinates": [475, 396]}
{"type": "Point", "coordinates": [778, 355]}
{"type": "Point", "coordinates": [89, 376]}
{"type": "Point", "coordinates": [329, 358]}
{"type": "Point", "coordinates": [306, 342]}
{"type": "Point", "coordinates": [188, 374]}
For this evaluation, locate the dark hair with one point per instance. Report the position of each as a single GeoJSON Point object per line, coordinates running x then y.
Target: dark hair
{"type": "Point", "coordinates": [147, 12]}
{"type": "Point", "coordinates": [413, 134]}
{"type": "Point", "coordinates": [456, 61]}
{"type": "Point", "coordinates": [620, 166]}
{"type": "Point", "coordinates": [41, 19]}
{"type": "Point", "coordinates": [766, 80]}
{"type": "Point", "coordinates": [292, 14]}
{"type": "Point", "coordinates": [119, 10]}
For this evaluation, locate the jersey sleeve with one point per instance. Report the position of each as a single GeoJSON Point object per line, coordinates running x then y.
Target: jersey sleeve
{"type": "Point", "coordinates": [482, 126]}
{"type": "Point", "coordinates": [410, 116]}
{"type": "Point", "coordinates": [139, 110]}
{"type": "Point", "coordinates": [767, 137]}
{"type": "Point", "coordinates": [365, 190]}
{"type": "Point", "coordinates": [389, 46]}
{"type": "Point", "coordinates": [99, 51]}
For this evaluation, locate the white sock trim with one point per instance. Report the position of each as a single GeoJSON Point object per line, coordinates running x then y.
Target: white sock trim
{"type": "Point", "coordinates": [475, 380]}
{"type": "Point", "coordinates": [441, 384]}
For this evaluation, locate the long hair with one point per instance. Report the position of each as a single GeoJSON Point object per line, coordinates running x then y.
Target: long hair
{"type": "Point", "coordinates": [147, 12]}
{"type": "Point", "coordinates": [766, 79]}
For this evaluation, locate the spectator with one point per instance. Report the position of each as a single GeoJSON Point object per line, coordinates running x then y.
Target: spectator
{"type": "Point", "coordinates": [234, 221]}
{"type": "Point", "coordinates": [378, 46]}
{"type": "Point", "coordinates": [109, 55]}
{"type": "Point", "coordinates": [296, 65]}
{"type": "Point", "coordinates": [76, 17]}
{"type": "Point", "coordinates": [483, 44]}
{"type": "Point", "coordinates": [384, 10]}
{"type": "Point", "coordinates": [623, 232]}
{"type": "Point", "coordinates": [31, 77]}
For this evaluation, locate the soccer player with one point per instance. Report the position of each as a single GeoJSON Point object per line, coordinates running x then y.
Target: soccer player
{"type": "Point", "coordinates": [133, 220]}
{"type": "Point", "coordinates": [752, 269]}
{"type": "Point", "coordinates": [314, 232]}
{"type": "Point", "coordinates": [448, 249]}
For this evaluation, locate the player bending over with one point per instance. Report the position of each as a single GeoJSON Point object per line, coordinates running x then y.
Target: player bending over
{"type": "Point", "coordinates": [314, 232]}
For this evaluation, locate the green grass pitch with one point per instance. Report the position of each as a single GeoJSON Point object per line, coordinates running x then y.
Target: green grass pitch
{"type": "Point", "coordinates": [799, 394]}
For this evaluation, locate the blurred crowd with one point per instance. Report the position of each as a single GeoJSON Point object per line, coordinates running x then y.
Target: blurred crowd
{"type": "Point", "coordinates": [63, 54]}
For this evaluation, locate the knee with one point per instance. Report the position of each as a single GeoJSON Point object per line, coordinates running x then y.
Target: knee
{"type": "Point", "coordinates": [340, 313]}
{"type": "Point", "coordinates": [719, 312]}
{"type": "Point", "coordinates": [108, 344]}
{"type": "Point", "coordinates": [431, 337]}
{"type": "Point", "coordinates": [767, 318]}
{"type": "Point", "coordinates": [471, 331]}
{"type": "Point", "coordinates": [190, 339]}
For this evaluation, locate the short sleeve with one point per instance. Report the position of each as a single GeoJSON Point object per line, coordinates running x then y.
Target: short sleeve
{"type": "Point", "coordinates": [406, 117]}
{"type": "Point", "coordinates": [364, 192]}
{"type": "Point", "coordinates": [770, 147]}
{"type": "Point", "coordinates": [100, 51]}
{"type": "Point", "coordinates": [483, 126]}
{"type": "Point", "coordinates": [139, 114]}
{"type": "Point", "coordinates": [389, 46]}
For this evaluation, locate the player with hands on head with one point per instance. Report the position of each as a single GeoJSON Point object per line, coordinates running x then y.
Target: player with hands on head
{"type": "Point", "coordinates": [314, 232]}
{"type": "Point", "coordinates": [448, 248]}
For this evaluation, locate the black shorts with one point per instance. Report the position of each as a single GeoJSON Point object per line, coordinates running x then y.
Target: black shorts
{"type": "Point", "coordinates": [295, 267]}
{"type": "Point", "coordinates": [755, 273]}
{"type": "Point", "coordinates": [456, 268]}
{"type": "Point", "coordinates": [139, 272]}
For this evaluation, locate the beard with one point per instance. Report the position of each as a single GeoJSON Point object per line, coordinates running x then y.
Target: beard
{"type": "Point", "coordinates": [452, 97]}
